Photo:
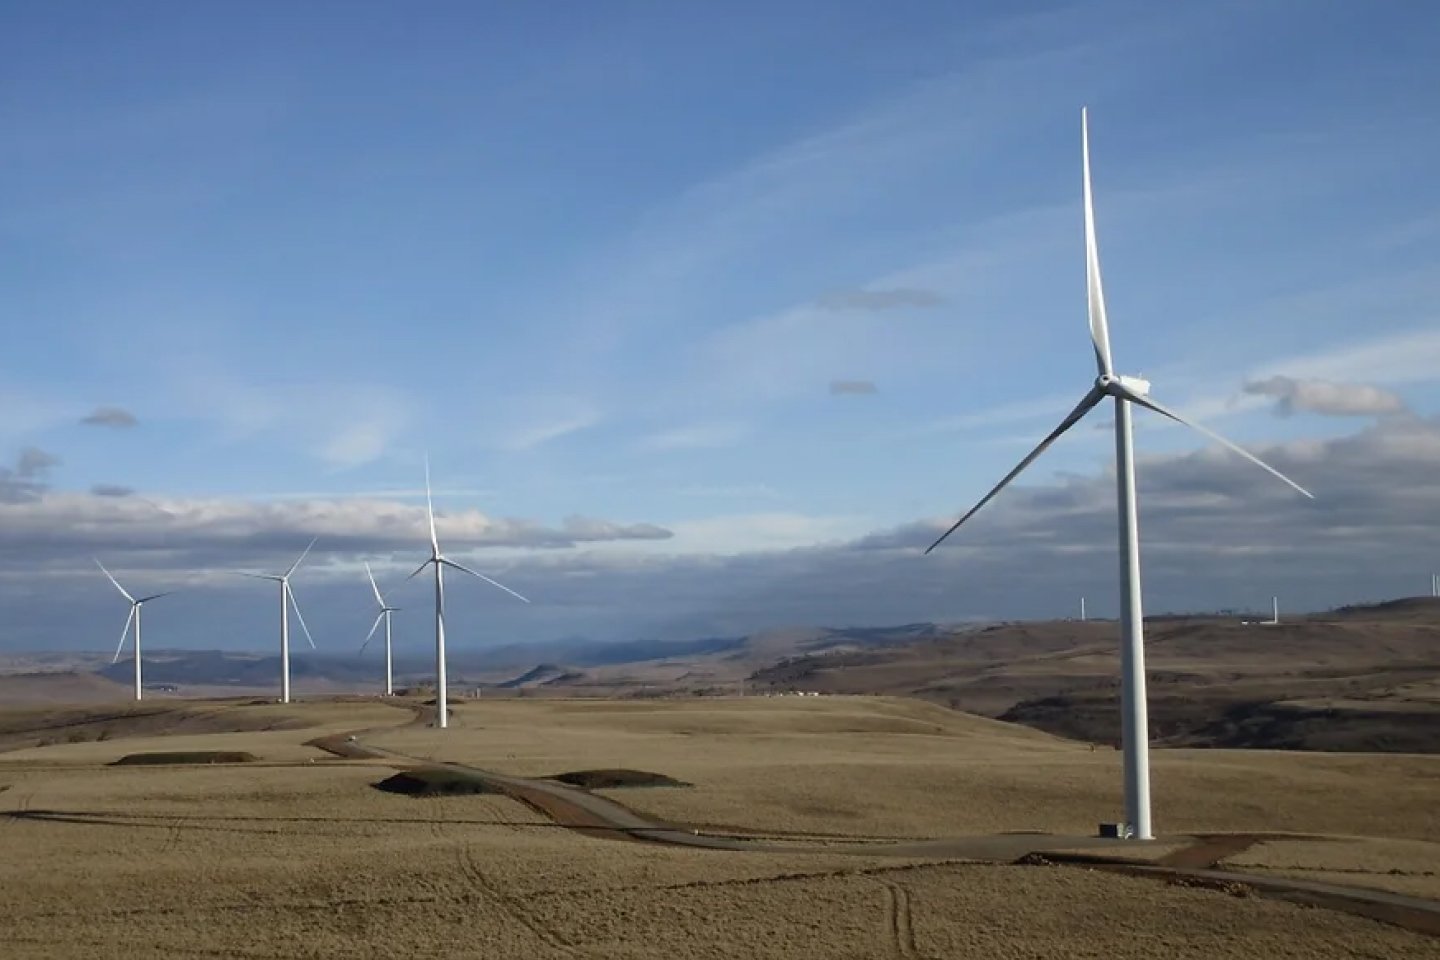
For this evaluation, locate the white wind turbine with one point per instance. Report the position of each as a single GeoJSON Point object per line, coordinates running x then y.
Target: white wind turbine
{"type": "Point", "coordinates": [384, 614]}
{"type": "Point", "coordinates": [287, 600]}
{"type": "Point", "coordinates": [440, 562]}
{"type": "Point", "coordinates": [134, 617]}
{"type": "Point", "coordinates": [1125, 391]}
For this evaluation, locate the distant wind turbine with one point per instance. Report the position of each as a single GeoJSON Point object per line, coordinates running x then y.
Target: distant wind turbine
{"type": "Point", "coordinates": [384, 614]}
{"type": "Point", "coordinates": [440, 562]}
{"type": "Point", "coordinates": [134, 617]}
{"type": "Point", "coordinates": [1125, 391]}
{"type": "Point", "coordinates": [287, 600]}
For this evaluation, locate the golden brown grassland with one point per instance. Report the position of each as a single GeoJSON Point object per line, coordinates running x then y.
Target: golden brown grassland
{"type": "Point", "coordinates": [293, 858]}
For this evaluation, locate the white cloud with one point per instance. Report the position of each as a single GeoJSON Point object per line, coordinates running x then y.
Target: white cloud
{"type": "Point", "coordinates": [540, 432]}
{"type": "Point", "coordinates": [1397, 358]}
{"type": "Point", "coordinates": [58, 526]}
{"type": "Point", "coordinates": [696, 436]}
{"type": "Point", "coordinates": [362, 441]}
{"type": "Point", "coordinates": [1216, 532]}
{"type": "Point", "coordinates": [1325, 397]}
{"type": "Point", "coordinates": [343, 425]}
{"type": "Point", "coordinates": [1019, 411]}
{"type": "Point", "coordinates": [757, 532]}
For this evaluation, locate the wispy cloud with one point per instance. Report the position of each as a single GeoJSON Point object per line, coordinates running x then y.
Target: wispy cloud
{"type": "Point", "coordinates": [35, 463]}
{"type": "Point", "coordinates": [364, 440]}
{"type": "Point", "coordinates": [1019, 411]}
{"type": "Point", "coordinates": [28, 479]}
{"type": "Point", "coordinates": [746, 532]}
{"type": "Point", "coordinates": [111, 490]}
{"type": "Point", "coordinates": [853, 388]}
{"type": "Point", "coordinates": [540, 432]}
{"type": "Point", "coordinates": [388, 493]}
{"type": "Point", "coordinates": [696, 436]}
{"type": "Point", "coordinates": [1396, 358]}
{"type": "Point", "coordinates": [115, 417]}
{"type": "Point", "coordinates": [876, 300]}
{"type": "Point", "coordinates": [1326, 398]}
{"type": "Point", "coordinates": [738, 491]}
{"type": "Point", "coordinates": [342, 425]}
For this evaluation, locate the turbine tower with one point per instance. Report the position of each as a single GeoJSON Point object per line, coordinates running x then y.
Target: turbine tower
{"type": "Point", "coordinates": [1125, 391]}
{"type": "Point", "coordinates": [287, 600]}
{"type": "Point", "coordinates": [134, 617]}
{"type": "Point", "coordinates": [384, 614]}
{"type": "Point", "coordinates": [440, 562]}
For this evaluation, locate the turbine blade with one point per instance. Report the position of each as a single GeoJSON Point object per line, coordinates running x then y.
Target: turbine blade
{"type": "Point", "coordinates": [113, 580]}
{"type": "Point", "coordinates": [419, 569]}
{"type": "Point", "coordinates": [254, 576]}
{"type": "Point", "coordinates": [1083, 407]}
{"type": "Point", "coordinates": [124, 633]}
{"type": "Point", "coordinates": [301, 557]}
{"type": "Point", "coordinates": [373, 627]}
{"type": "Point", "coordinates": [1099, 326]}
{"type": "Point", "coordinates": [154, 596]}
{"type": "Point", "coordinates": [430, 508]}
{"type": "Point", "coordinates": [378, 599]}
{"type": "Point", "coordinates": [295, 605]}
{"type": "Point", "coordinates": [1164, 411]}
{"type": "Point", "coordinates": [493, 583]}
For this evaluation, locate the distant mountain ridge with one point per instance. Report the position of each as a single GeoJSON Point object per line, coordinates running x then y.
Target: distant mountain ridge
{"type": "Point", "coordinates": [1358, 678]}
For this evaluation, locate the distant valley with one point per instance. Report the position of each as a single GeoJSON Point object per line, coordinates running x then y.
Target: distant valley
{"type": "Point", "coordinates": [1354, 679]}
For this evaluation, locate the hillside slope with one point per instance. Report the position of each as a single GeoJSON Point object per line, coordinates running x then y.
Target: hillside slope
{"type": "Point", "coordinates": [1355, 679]}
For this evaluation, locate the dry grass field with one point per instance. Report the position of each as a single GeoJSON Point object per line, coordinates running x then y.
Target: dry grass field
{"type": "Point", "coordinates": [877, 766]}
{"type": "Point", "coordinates": [297, 855]}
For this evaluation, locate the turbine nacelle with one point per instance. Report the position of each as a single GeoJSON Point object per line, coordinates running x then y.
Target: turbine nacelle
{"type": "Point", "coordinates": [1121, 386]}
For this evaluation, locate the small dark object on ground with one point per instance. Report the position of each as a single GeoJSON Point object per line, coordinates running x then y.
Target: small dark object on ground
{"type": "Point", "coordinates": [191, 756]}
{"type": "Point", "coordinates": [611, 779]}
{"type": "Point", "coordinates": [435, 783]}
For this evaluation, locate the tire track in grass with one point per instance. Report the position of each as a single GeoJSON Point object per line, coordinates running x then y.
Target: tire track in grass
{"type": "Point", "coordinates": [20, 798]}
{"type": "Point", "coordinates": [475, 875]}
{"type": "Point", "coordinates": [899, 921]}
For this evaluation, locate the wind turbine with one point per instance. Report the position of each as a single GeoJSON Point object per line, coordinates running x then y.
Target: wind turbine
{"type": "Point", "coordinates": [1125, 391]}
{"type": "Point", "coordinates": [135, 606]}
{"type": "Point", "coordinates": [287, 600]}
{"type": "Point", "coordinates": [440, 562]}
{"type": "Point", "coordinates": [384, 614]}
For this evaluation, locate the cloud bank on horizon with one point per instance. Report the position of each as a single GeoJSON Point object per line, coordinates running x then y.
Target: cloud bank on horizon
{"type": "Point", "coordinates": [704, 369]}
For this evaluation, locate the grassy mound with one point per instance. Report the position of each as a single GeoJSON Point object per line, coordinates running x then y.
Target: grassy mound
{"type": "Point", "coordinates": [610, 779]}
{"type": "Point", "coordinates": [429, 782]}
{"type": "Point", "coordinates": [190, 756]}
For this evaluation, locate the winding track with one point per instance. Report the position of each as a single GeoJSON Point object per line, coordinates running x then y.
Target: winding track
{"type": "Point", "coordinates": [1196, 865]}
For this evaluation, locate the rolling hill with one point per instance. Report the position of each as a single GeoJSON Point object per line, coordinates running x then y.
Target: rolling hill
{"type": "Point", "coordinates": [1361, 678]}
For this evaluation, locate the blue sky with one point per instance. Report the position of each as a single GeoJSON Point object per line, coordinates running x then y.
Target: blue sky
{"type": "Point", "coordinates": [734, 284]}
